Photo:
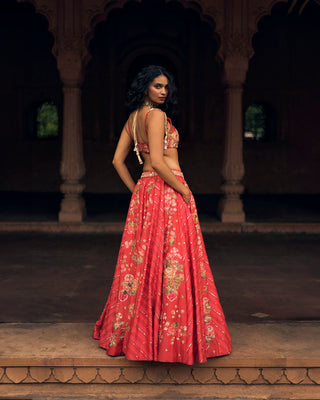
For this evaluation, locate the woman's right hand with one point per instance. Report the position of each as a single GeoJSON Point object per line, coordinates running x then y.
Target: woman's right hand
{"type": "Point", "coordinates": [186, 195]}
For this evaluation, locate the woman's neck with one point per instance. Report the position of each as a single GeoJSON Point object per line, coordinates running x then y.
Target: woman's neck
{"type": "Point", "coordinates": [150, 104]}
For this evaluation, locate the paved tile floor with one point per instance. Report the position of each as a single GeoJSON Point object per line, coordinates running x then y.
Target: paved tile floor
{"type": "Point", "coordinates": [66, 278]}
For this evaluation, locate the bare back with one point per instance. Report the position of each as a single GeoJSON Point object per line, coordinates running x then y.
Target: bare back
{"type": "Point", "coordinates": [170, 155]}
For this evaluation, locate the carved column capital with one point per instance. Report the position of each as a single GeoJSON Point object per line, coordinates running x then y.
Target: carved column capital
{"type": "Point", "coordinates": [70, 60]}
{"type": "Point", "coordinates": [235, 70]}
{"type": "Point", "coordinates": [236, 52]}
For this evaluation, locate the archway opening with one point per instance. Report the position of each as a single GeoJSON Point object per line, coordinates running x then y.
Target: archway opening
{"type": "Point", "coordinates": [28, 78]}
{"type": "Point", "coordinates": [283, 74]}
{"type": "Point", "coordinates": [137, 34]}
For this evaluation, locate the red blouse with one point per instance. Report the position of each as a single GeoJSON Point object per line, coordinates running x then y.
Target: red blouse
{"type": "Point", "coordinates": [171, 138]}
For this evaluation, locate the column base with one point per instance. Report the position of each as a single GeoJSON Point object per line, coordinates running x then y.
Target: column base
{"type": "Point", "coordinates": [230, 210]}
{"type": "Point", "coordinates": [72, 210]}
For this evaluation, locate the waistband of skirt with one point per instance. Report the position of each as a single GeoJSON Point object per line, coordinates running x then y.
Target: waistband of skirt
{"type": "Point", "coordinates": [146, 174]}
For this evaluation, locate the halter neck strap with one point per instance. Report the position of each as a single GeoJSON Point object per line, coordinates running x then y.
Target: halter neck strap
{"type": "Point", "coordinates": [145, 120]}
{"type": "Point", "coordinates": [134, 127]}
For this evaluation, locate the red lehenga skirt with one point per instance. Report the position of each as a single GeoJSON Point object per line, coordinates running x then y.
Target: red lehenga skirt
{"type": "Point", "coordinates": [163, 304]}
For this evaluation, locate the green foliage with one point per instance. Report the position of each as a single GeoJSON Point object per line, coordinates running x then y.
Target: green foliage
{"type": "Point", "coordinates": [47, 121]}
{"type": "Point", "coordinates": [255, 122]}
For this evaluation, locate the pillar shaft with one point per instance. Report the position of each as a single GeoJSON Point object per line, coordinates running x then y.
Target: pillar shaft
{"type": "Point", "coordinates": [230, 207]}
{"type": "Point", "coordinates": [72, 164]}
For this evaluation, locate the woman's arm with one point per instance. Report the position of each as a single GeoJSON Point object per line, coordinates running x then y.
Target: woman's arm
{"type": "Point", "coordinates": [123, 147]}
{"type": "Point", "coordinates": [156, 137]}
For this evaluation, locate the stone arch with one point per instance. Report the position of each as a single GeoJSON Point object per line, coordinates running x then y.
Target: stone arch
{"type": "Point", "coordinates": [170, 58]}
{"type": "Point", "coordinates": [104, 126]}
{"type": "Point", "coordinates": [284, 73]}
{"type": "Point", "coordinates": [166, 53]}
{"type": "Point", "coordinates": [29, 76]}
{"type": "Point", "coordinates": [263, 9]}
{"type": "Point", "coordinates": [49, 11]}
{"type": "Point", "coordinates": [257, 12]}
{"type": "Point", "coordinates": [161, 41]}
{"type": "Point", "coordinates": [208, 12]}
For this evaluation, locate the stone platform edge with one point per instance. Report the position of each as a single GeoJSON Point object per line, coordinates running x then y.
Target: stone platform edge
{"type": "Point", "coordinates": [117, 227]}
{"type": "Point", "coordinates": [280, 371]}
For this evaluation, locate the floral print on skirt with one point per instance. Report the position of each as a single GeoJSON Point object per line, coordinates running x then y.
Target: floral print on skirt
{"type": "Point", "coordinates": [163, 304]}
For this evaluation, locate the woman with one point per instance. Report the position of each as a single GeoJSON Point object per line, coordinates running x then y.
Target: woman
{"type": "Point", "coordinates": [163, 304]}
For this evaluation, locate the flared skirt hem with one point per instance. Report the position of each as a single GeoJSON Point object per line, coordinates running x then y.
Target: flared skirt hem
{"type": "Point", "coordinates": [163, 360]}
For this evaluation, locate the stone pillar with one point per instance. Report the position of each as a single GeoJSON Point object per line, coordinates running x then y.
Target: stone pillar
{"type": "Point", "coordinates": [230, 206]}
{"type": "Point", "coordinates": [72, 167]}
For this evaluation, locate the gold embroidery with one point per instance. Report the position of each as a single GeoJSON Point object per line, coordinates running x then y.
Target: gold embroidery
{"type": "Point", "coordinates": [146, 174]}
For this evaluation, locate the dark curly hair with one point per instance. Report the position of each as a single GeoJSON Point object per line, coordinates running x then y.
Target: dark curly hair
{"type": "Point", "coordinates": [136, 93]}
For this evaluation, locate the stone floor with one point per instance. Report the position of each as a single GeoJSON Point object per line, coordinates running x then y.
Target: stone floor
{"type": "Point", "coordinates": [53, 287]}
{"type": "Point", "coordinates": [66, 278]}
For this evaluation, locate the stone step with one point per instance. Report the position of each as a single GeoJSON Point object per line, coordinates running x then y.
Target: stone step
{"type": "Point", "coordinates": [157, 392]}
{"type": "Point", "coordinates": [61, 359]}
{"type": "Point", "coordinates": [117, 227]}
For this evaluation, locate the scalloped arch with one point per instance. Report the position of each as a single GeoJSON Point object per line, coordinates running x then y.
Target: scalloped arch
{"type": "Point", "coordinates": [261, 10]}
{"type": "Point", "coordinates": [97, 13]}
{"type": "Point", "coordinates": [46, 9]}
{"type": "Point", "coordinates": [129, 57]}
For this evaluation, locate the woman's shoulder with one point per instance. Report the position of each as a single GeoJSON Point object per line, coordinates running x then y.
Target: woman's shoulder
{"type": "Point", "coordinates": [155, 116]}
{"type": "Point", "coordinates": [156, 113]}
